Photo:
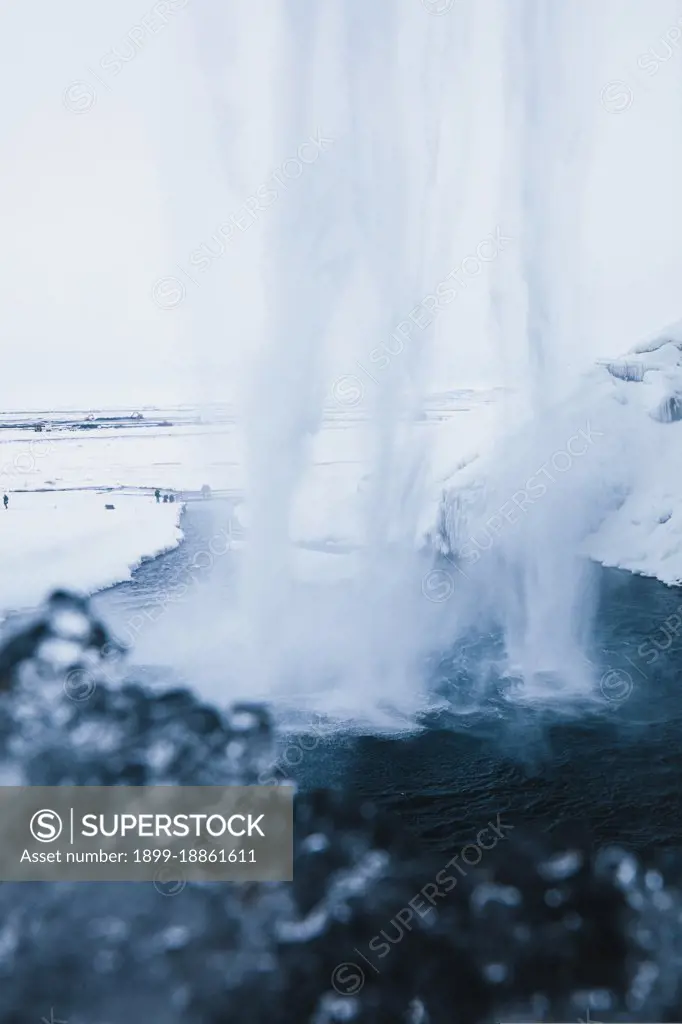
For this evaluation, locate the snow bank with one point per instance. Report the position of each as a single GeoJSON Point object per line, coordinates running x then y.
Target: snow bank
{"type": "Point", "coordinates": [623, 493]}
{"type": "Point", "coordinates": [71, 540]}
{"type": "Point", "coordinates": [645, 533]}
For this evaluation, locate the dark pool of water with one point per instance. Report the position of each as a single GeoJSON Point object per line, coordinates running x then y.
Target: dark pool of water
{"type": "Point", "coordinates": [613, 770]}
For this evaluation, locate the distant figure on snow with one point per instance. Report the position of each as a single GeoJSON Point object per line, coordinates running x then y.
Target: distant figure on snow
{"type": "Point", "coordinates": [5, 501]}
{"type": "Point", "coordinates": [157, 495]}
{"type": "Point", "coordinates": [171, 497]}
{"type": "Point", "coordinates": [165, 499]}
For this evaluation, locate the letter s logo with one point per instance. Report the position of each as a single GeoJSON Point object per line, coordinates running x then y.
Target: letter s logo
{"type": "Point", "coordinates": [46, 826]}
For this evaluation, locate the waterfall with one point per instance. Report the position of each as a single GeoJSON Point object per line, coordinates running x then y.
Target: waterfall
{"type": "Point", "coordinates": [429, 130]}
{"type": "Point", "coordinates": [358, 228]}
{"type": "Point", "coordinates": [543, 583]}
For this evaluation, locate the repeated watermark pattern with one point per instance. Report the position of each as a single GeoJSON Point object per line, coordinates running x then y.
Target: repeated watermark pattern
{"type": "Point", "coordinates": [438, 7]}
{"type": "Point", "coordinates": [349, 389]}
{"type": "Point", "coordinates": [81, 681]}
{"type": "Point", "coordinates": [533, 491]}
{"type": "Point", "coordinates": [618, 95]}
{"type": "Point", "coordinates": [587, 1019]}
{"type": "Point", "coordinates": [52, 1019]}
{"type": "Point", "coordinates": [438, 585]}
{"type": "Point", "coordinates": [168, 881]}
{"type": "Point", "coordinates": [348, 978]}
{"type": "Point", "coordinates": [80, 96]}
{"type": "Point", "coordinates": [278, 774]}
{"type": "Point", "coordinates": [170, 291]}
{"type": "Point", "coordinates": [616, 683]}
{"type": "Point", "coordinates": [25, 461]}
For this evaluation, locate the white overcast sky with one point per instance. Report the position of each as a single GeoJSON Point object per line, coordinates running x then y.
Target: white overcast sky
{"type": "Point", "coordinates": [96, 206]}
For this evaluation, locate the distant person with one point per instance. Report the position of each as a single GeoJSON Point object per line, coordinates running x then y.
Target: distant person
{"type": "Point", "coordinates": [5, 501]}
{"type": "Point", "coordinates": [165, 499]}
{"type": "Point", "coordinates": [171, 498]}
{"type": "Point", "coordinates": [157, 495]}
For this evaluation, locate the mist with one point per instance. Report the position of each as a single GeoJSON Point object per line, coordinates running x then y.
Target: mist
{"type": "Point", "coordinates": [258, 206]}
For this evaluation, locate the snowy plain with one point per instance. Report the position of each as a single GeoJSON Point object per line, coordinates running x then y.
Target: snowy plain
{"type": "Point", "coordinates": [490, 476]}
{"type": "Point", "coordinates": [70, 539]}
{"type": "Point", "coordinates": [57, 531]}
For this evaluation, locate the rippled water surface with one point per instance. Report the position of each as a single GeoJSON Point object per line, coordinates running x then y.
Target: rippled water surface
{"type": "Point", "coordinates": [612, 767]}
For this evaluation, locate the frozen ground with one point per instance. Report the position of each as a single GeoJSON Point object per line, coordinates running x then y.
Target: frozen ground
{"type": "Point", "coordinates": [61, 532]}
{"type": "Point", "coordinates": [57, 531]}
{"type": "Point", "coordinates": [71, 539]}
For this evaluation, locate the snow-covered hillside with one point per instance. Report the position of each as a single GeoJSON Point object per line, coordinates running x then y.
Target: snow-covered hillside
{"type": "Point", "coordinates": [603, 470]}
